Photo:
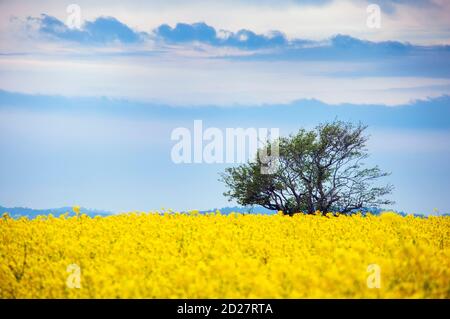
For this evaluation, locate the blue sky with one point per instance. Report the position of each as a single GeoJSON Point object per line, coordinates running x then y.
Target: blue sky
{"type": "Point", "coordinates": [86, 113]}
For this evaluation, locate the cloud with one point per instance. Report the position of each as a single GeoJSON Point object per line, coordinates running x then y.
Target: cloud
{"type": "Point", "coordinates": [106, 30]}
{"type": "Point", "coordinates": [187, 33]}
{"type": "Point", "coordinates": [273, 45]}
{"type": "Point", "coordinates": [432, 113]}
{"type": "Point", "coordinates": [391, 57]}
{"type": "Point", "coordinates": [203, 33]}
{"type": "Point", "coordinates": [337, 47]}
{"type": "Point", "coordinates": [424, 21]}
{"type": "Point", "coordinates": [206, 80]}
{"type": "Point", "coordinates": [102, 30]}
{"type": "Point", "coordinates": [346, 48]}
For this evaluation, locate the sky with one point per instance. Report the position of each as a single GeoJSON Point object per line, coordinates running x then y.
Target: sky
{"type": "Point", "coordinates": [91, 92]}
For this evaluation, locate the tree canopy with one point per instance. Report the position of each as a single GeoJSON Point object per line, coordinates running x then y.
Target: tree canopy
{"type": "Point", "coordinates": [318, 170]}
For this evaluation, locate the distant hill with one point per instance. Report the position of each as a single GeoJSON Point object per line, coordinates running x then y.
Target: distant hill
{"type": "Point", "coordinates": [261, 210]}
{"type": "Point", "coordinates": [241, 209]}
{"type": "Point", "coordinates": [17, 212]}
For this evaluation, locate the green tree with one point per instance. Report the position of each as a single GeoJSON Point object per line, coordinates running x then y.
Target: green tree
{"type": "Point", "coordinates": [317, 170]}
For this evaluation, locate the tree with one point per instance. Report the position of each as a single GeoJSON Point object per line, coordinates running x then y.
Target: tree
{"type": "Point", "coordinates": [318, 170]}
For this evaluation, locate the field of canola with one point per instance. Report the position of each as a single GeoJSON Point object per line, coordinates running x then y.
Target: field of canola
{"type": "Point", "coordinates": [151, 255]}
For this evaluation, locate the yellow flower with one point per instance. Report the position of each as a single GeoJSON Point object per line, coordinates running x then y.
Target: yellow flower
{"type": "Point", "coordinates": [154, 255]}
{"type": "Point", "coordinates": [76, 210]}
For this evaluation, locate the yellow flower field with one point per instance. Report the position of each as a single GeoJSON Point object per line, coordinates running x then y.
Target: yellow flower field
{"type": "Point", "coordinates": [150, 255]}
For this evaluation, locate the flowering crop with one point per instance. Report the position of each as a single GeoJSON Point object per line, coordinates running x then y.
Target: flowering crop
{"type": "Point", "coordinates": [171, 255]}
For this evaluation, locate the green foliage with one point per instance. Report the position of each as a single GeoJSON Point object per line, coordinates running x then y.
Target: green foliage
{"type": "Point", "coordinates": [317, 170]}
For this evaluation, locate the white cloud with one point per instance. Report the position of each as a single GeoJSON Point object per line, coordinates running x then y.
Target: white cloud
{"type": "Point", "coordinates": [187, 76]}
{"type": "Point", "coordinates": [188, 81]}
{"type": "Point", "coordinates": [423, 24]}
